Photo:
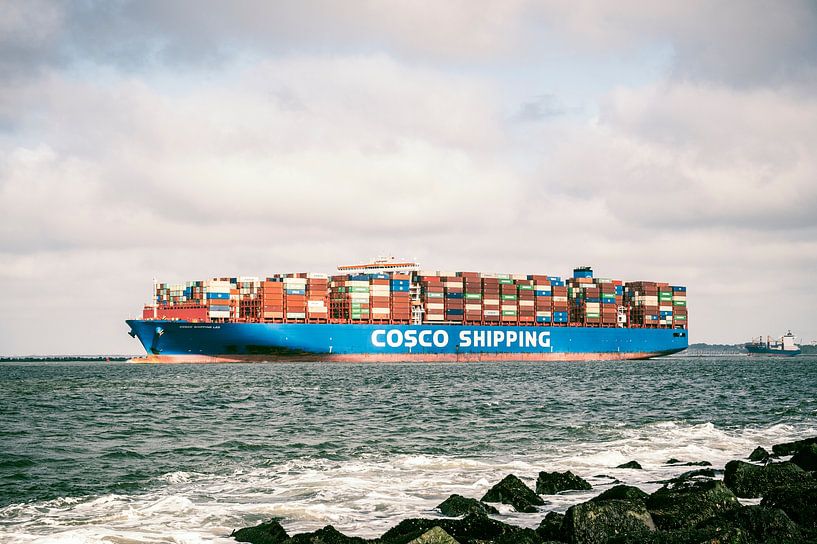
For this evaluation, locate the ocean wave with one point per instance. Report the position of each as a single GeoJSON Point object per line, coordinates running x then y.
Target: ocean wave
{"type": "Point", "coordinates": [368, 494]}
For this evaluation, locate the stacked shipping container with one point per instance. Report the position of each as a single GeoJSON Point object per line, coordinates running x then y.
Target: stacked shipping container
{"type": "Point", "coordinates": [594, 301]}
{"type": "Point", "coordinates": [425, 296]}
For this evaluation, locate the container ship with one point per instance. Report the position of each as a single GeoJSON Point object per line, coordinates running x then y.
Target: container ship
{"type": "Point", "coordinates": [391, 310]}
{"type": "Point", "coordinates": [784, 346]}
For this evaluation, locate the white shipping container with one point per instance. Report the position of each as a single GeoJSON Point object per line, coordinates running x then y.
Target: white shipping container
{"type": "Point", "coordinates": [519, 276]}
{"type": "Point", "coordinates": [224, 314]}
{"type": "Point", "coordinates": [296, 315]}
{"type": "Point", "coordinates": [490, 312]}
{"type": "Point", "coordinates": [428, 273]}
{"type": "Point", "coordinates": [446, 273]}
{"type": "Point", "coordinates": [317, 276]}
{"type": "Point", "coordinates": [473, 306]}
{"type": "Point", "coordinates": [434, 317]}
{"type": "Point", "coordinates": [559, 299]}
{"type": "Point", "coordinates": [217, 289]}
{"type": "Point", "coordinates": [357, 283]}
{"type": "Point", "coordinates": [435, 306]}
{"type": "Point", "coordinates": [315, 304]}
{"type": "Point", "coordinates": [358, 296]}
{"type": "Point", "coordinates": [542, 314]}
{"type": "Point", "coordinates": [509, 307]}
{"type": "Point", "coordinates": [490, 301]}
{"type": "Point", "coordinates": [526, 303]}
{"type": "Point", "coordinates": [665, 308]}
{"type": "Point", "coordinates": [380, 311]}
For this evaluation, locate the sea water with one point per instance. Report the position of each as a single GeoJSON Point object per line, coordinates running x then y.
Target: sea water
{"type": "Point", "coordinates": [124, 453]}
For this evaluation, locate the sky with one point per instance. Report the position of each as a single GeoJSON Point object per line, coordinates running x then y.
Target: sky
{"type": "Point", "coordinates": [667, 141]}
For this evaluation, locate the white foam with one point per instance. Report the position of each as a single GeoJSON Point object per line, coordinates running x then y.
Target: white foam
{"type": "Point", "coordinates": [370, 494]}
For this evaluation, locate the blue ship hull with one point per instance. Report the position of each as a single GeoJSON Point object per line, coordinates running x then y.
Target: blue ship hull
{"type": "Point", "coordinates": [180, 341]}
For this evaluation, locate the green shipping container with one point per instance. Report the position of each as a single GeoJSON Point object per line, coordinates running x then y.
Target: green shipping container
{"type": "Point", "coordinates": [508, 297]}
{"type": "Point", "coordinates": [473, 296]}
{"type": "Point", "coordinates": [506, 282]}
{"type": "Point", "coordinates": [508, 312]}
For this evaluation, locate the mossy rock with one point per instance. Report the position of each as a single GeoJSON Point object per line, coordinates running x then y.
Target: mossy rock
{"type": "Point", "coordinates": [268, 532]}
{"type": "Point", "coordinates": [550, 483]}
{"type": "Point", "coordinates": [751, 481]}
{"type": "Point", "coordinates": [685, 505]}
{"type": "Point", "coordinates": [457, 505]}
{"type": "Point", "coordinates": [513, 491]}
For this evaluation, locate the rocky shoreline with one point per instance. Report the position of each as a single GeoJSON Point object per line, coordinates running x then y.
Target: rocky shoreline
{"type": "Point", "coordinates": [695, 507]}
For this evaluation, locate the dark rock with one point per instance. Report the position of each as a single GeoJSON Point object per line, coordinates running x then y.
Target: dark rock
{"type": "Point", "coordinates": [457, 505]}
{"type": "Point", "coordinates": [622, 493]}
{"type": "Point", "coordinates": [694, 475]}
{"type": "Point", "coordinates": [630, 464]}
{"type": "Point", "coordinates": [468, 530]}
{"type": "Point", "coordinates": [268, 532]}
{"type": "Point", "coordinates": [435, 535]}
{"type": "Point", "coordinates": [614, 480]}
{"type": "Point", "coordinates": [522, 536]}
{"type": "Point", "coordinates": [550, 528]}
{"type": "Point", "coordinates": [752, 481]}
{"type": "Point", "coordinates": [688, 536]}
{"type": "Point", "coordinates": [327, 535]}
{"type": "Point", "coordinates": [511, 490]}
{"type": "Point", "coordinates": [799, 502]}
{"type": "Point", "coordinates": [550, 483]}
{"type": "Point", "coordinates": [594, 522]}
{"type": "Point", "coordinates": [767, 525]}
{"type": "Point", "coordinates": [806, 457]}
{"type": "Point", "coordinates": [675, 461]}
{"type": "Point", "coordinates": [759, 455]}
{"type": "Point", "coordinates": [790, 448]}
{"type": "Point", "coordinates": [688, 503]}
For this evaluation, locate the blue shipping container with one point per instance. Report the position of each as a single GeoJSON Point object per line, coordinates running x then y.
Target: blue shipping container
{"type": "Point", "coordinates": [219, 296]}
{"type": "Point", "coordinates": [295, 291]}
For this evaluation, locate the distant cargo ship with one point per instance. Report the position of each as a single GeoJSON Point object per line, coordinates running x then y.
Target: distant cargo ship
{"type": "Point", "coordinates": [785, 346]}
{"type": "Point", "coordinates": [390, 310]}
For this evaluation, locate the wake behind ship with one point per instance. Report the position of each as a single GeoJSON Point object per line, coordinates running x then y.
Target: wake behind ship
{"type": "Point", "coordinates": [392, 311]}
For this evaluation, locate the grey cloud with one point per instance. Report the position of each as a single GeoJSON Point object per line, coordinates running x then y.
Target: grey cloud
{"type": "Point", "coordinates": [737, 42]}
{"type": "Point", "coordinates": [542, 107]}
